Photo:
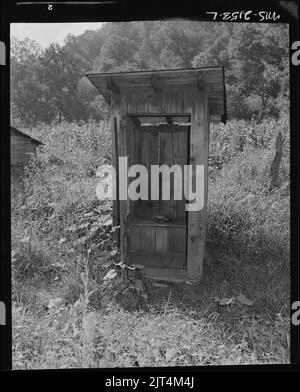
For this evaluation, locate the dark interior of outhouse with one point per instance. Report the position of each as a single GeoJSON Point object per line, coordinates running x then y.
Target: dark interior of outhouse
{"type": "Point", "coordinates": [159, 227]}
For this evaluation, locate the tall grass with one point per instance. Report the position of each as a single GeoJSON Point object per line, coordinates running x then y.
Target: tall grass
{"type": "Point", "coordinates": [58, 223]}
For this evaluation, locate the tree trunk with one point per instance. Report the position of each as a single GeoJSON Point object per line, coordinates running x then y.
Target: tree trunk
{"type": "Point", "coordinates": [276, 162]}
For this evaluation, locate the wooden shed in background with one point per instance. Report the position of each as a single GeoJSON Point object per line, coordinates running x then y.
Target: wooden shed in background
{"type": "Point", "coordinates": [21, 146]}
{"type": "Point", "coordinates": [162, 117]}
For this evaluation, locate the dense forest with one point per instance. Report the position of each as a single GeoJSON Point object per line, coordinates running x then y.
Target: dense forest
{"type": "Point", "coordinates": [49, 84]}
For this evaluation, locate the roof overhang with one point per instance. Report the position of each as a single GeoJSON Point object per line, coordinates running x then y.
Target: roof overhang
{"type": "Point", "coordinates": [210, 79]}
{"type": "Point", "coordinates": [35, 141]}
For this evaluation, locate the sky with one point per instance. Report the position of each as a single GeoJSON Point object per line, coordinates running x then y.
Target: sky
{"type": "Point", "coordinates": [46, 33]}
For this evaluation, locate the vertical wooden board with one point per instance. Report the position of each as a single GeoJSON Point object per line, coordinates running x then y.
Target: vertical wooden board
{"type": "Point", "coordinates": [149, 156]}
{"type": "Point", "coordinates": [155, 103]}
{"type": "Point", "coordinates": [143, 160]}
{"type": "Point", "coordinates": [122, 203]}
{"type": "Point", "coordinates": [148, 238]}
{"type": "Point", "coordinates": [188, 99]}
{"type": "Point", "coordinates": [114, 138]}
{"type": "Point", "coordinates": [129, 129]}
{"type": "Point", "coordinates": [140, 102]}
{"type": "Point", "coordinates": [121, 106]}
{"type": "Point", "coordinates": [135, 237]}
{"type": "Point", "coordinates": [180, 102]}
{"type": "Point", "coordinates": [180, 142]}
{"type": "Point", "coordinates": [206, 155]}
{"type": "Point", "coordinates": [198, 156]}
{"type": "Point", "coordinates": [146, 102]}
{"type": "Point", "coordinates": [131, 136]}
{"type": "Point", "coordinates": [166, 207]}
{"type": "Point", "coordinates": [170, 159]}
{"type": "Point", "coordinates": [171, 239]}
{"type": "Point", "coordinates": [131, 103]}
{"type": "Point", "coordinates": [179, 239]}
{"type": "Point", "coordinates": [173, 102]}
{"type": "Point", "coordinates": [170, 103]}
{"type": "Point", "coordinates": [163, 103]}
{"type": "Point", "coordinates": [115, 103]}
{"type": "Point", "coordinates": [162, 239]}
{"type": "Point", "coordinates": [150, 101]}
{"type": "Point", "coordinates": [137, 205]}
{"type": "Point", "coordinates": [176, 103]}
{"type": "Point", "coordinates": [115, 129]}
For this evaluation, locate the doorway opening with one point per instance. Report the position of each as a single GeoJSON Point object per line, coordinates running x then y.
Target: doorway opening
{"type": "Point", "coordinates": [158, 228]}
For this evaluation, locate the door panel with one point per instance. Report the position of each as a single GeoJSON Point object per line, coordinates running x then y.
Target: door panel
{"type": "Point", "coordinates": [151, 241]}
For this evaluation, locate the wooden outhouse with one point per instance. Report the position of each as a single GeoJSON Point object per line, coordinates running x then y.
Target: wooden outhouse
{"type": "Point", "coordinates": [162, 117]}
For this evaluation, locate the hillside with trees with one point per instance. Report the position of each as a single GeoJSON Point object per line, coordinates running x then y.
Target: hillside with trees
{"type": "Point", "coordinates": [49, 84]}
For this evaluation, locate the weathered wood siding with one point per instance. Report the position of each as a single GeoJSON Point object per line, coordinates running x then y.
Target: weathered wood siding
{"type": "Point", "coordinates": [144, 102]}
{"type": "Point", "coordinates": [158, 237]}
{"type": "Point", "coordinates": [162, 117]}
{"type": "Point", "coordinates": [20, 148]}
{"type": "Point", "coordinates": [199, 141]}
{"type": "Point", "coordinates": [173, 247]}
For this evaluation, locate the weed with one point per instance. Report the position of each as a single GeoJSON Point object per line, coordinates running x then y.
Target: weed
{"type": "Point", "coordinates": [76, 305]}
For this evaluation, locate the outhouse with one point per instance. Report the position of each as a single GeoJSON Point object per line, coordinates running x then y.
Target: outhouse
{"type": "Point", "coordinates": [162, 117]}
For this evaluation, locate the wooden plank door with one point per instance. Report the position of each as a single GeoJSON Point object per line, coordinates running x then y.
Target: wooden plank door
{"type": "Point", "coordinates": [145, 152]}
{"type": "Point", "coordinates": [173, 150]}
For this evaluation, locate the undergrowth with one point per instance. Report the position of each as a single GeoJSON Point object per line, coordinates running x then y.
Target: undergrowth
{"type": "Point", "coordinates": [76, 305]}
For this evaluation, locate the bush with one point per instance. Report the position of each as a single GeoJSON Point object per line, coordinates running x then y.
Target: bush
{"type": "Point", "coordinates": [244, 218]}
{"type": "Point", "coordinates": [226, 141]}
{"type": "Point", "coordinates": [75, 144]}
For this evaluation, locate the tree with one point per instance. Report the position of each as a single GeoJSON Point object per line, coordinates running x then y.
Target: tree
{"type": "Point", "coordinates": [215, 51]}
{"type": "Point", "coordinates": [255, 61]}
{"type": "Point", "coordinates": [85, 47]}
{"type": "Point", "coordinates": [51, 83]}
{"type": "Point", "coordinates": [60, 71]}
{"type": "Point", "coordinates": [175, 44]}
{"type": "Point", "coordinates": [95, 106]}
{"type": "Point", "coordinates": [258, 54]}
{"type": "Point", "coordinates": [28, 103]}
{"type": "Point", "coordinates": [117, 54]}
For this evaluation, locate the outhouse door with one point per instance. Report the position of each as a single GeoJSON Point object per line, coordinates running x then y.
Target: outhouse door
{"type": "Point", "coordinates": [158, 228]}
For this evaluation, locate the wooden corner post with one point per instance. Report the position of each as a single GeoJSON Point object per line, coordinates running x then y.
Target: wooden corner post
{"type": "Point", "coordinates": [115, 164]}
{"type": "Point", "coordinates": [199, 135]}
{"type": "Point", "coordinates": [118, 124]}
{"type": "Point", "coordinates": [124, 202]}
